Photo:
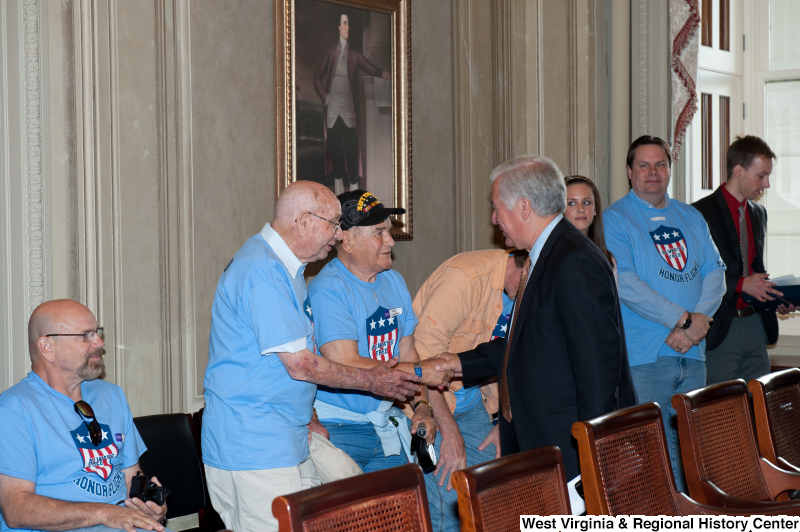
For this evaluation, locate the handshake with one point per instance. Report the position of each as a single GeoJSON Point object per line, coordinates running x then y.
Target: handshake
{"type": "Point", "coordinates": [390, 381]}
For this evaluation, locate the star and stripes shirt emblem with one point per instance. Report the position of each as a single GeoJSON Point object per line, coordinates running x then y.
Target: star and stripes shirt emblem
{"type": "Point", "coordinates": [96, 458]}
{"type": "Point", "coordinates": [501, 329]}
{"type": "Point", "coordinates": [382, 334]}
{"type": "Point", "coordinates": [671, 246]}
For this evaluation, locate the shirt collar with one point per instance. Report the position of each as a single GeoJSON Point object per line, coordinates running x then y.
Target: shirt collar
{"type": "Point", "coordinates": [342, 43]}
{"type": "Point", "coordinates": [278, 245]}
{"type": "Point", "coordinates": [733, 203]}
{"type": "Point", "coordinates": [646, 204]}
{"type": "Point", "coordinates": [540, 241]}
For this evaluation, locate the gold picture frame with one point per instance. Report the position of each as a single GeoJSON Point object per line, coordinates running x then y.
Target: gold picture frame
{"type": "Point", "coordinates": [301, 139]}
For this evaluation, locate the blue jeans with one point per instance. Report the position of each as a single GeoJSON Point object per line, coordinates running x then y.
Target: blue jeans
{"type": "Point", "coordinates": [475, 426]}
{"type": "Point", "coordinates": [361, 442]}
{"type": "Point", "coordinates": [658, 382]}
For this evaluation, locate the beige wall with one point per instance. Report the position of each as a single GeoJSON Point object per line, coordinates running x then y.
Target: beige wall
{"type": "Point", "coordinates": [159, 155]}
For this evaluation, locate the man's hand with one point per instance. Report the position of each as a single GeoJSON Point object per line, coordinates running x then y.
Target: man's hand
{"type": "Point", "coordinates": [150, 508]}
{"type": "Point", "coordinates": [492, 438]}
{"type": "Point", "coordinates": [678, 340]}
{"type": "Point", "coordinates": [452, 457]}
{"type": "Point", "coordinates": [386, 75]}
{"type": "Point", "coordinates": [388, 382]}
{"type": "Point", "coordinates": [132, 516]}
{"type": "Point", "coordinates": [784, 308]}
{"type": "Point", "coordinates": [447, 362]}
{"type": "Point", "coordinates": [315, 426]}
{"type": "Point", "coordinates": [697, 330]}
{"type": "Point", "coordinates": [759, 287]}
{"type": "Point", "coordinates": [423, 415]}
{"type": "Point", "coordinates": [431, 376]}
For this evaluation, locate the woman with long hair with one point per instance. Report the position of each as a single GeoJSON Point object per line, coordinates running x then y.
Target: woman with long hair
{"type": "Point", "coordinates": [585, 212]}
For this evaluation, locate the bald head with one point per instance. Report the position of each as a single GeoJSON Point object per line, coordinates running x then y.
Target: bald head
{"type": "Point", "coordinates": [53, 317]}
{"type": "Point", "coordinates": [302, 196]}
{"type": "Point", "coordinates": [305, 217]}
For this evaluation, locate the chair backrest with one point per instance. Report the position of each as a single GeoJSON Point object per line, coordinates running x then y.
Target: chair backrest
{"type": "Point", "coordinates": [492, 496]}
{"type": "Point", "coordinates": [625, 468]}
{"type": "Point", "coordinates": [172, 457]}
{"type": "Point", "coordinates": [717, 443]}
{"type": "Point", "coordinates": [383, 501]}
{"type": "Point", "coordinates": [776, 404]}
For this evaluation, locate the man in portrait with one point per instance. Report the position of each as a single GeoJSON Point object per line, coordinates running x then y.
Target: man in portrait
{"type": "Point", "coordinates": [336, 84]}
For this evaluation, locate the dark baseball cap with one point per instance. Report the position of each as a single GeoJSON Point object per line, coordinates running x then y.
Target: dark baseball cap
{"type": "Point", "coordinates": [361, 208]}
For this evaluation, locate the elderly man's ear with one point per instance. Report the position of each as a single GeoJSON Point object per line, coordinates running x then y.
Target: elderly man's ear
{"type": "Point", "coordinates": [45, 346]}
{"type": "Point", "coordinates": [303, 223]}
{"type": "Point", "coordinates": [347, 241]}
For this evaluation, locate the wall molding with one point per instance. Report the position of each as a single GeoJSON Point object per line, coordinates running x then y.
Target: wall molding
{"type": "Point", "coordinates": [33, 153]}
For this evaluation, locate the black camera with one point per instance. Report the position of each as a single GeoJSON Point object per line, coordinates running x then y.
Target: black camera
{"type": "Point", "coordinates": [144, 490]}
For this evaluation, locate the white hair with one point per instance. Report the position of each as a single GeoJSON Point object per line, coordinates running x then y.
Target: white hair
{"type": "Point", "coordinates": [532, 177]}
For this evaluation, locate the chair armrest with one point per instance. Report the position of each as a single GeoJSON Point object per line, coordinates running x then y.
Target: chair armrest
{"type": "Point", "coordinates": [778, 480]}
{"type": "Point", "coordinates": [686, 506]}
{"type": "Point", "coordinates": [716, 498]}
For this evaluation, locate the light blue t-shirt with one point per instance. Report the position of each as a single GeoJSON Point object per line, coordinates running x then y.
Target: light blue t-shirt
{"type": "Point", "coordinates": [467, 398]}
{"type": "Point", "coordinates": [45, 441]}
{"type": "Point", "coordinates": [377, 315]}
{"type": "Point", "coordinates": [256, 414]}
{"type": "Point", "coordinates": [667, 263]}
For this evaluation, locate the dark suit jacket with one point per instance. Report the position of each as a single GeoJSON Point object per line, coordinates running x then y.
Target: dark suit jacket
{"type": "Point", "coordinates": [323, 78]}
{"type": "Point", "coordinates": [715, 210]}
{"type": "Point", "coordinates": [568, 359]}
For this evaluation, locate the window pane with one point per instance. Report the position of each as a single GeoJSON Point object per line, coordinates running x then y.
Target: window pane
{"type": "Point", "coordinates": [784, 45]}
{"type": "Point", "coordinates": [782, 127]}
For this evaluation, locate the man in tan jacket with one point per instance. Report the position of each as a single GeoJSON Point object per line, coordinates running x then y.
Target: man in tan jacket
{"type": "Point", "coordinates": [465, 302]}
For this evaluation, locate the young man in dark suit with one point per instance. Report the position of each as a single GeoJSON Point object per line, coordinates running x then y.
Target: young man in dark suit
{"type": "Point", "coordinates": [564, 358]}
{"type": "Point", "coordinates": [736, 345]}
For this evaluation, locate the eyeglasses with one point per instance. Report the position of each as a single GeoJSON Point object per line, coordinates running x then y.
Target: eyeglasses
{"type": "Point", "coordinates": [83, 409]}
{"type": "Point", "coordinates": [337, 226]}
{"type": "Point", "coordinates": [88, 336]}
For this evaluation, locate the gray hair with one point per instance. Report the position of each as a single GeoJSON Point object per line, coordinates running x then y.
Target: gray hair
{"type": "Point", "coordinates": [532, 177]}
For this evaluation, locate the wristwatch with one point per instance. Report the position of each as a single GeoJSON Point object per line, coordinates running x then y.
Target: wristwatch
{"type": "Point", "coordinates": [688, 322]}
{"type": "Point", "coordinates": [418, 369]}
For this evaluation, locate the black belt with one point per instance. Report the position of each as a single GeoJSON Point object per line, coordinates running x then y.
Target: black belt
{"type": "Point", "coordinates": [745, 312]}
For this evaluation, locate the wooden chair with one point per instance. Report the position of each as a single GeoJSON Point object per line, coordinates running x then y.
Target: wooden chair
{"type": "Point", "coordinates": [392, 499]}
{"type": "Point", "coordinates": [720, 458]}
{"type": "Point", "coordinates": [492, 496]}
{"type": "Point", "coordinates": [625, 466]}
{"type": "Point", "coordinates": [776, 405]}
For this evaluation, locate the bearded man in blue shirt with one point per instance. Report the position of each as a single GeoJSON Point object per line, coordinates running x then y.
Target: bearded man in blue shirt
{"type": "Point", "coordinates": [671, 279]}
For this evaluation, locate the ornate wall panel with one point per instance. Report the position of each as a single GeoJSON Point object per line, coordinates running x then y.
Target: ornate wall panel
{"type": "Point", "coordinates": [24, 187]}
{"type": "Point", "coordinates": [515, 95]}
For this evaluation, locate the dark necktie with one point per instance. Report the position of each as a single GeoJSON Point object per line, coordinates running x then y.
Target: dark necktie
{"type": "Point", "coordinates": [505, 404]}
{"type": "Point", "coordinates": [743, 240]}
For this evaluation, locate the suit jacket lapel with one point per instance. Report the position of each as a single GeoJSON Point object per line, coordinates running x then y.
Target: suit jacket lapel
{"type": "Point", "coordinates": [530, 288]}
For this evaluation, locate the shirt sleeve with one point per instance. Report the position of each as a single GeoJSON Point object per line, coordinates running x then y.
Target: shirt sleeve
{"type": "Point", "coordinates": [713, 271]}
{"type": "Point", "coordinates": [333, 319]}
{"type": "Point", "coordinates": [275, 318]}
{"type": "Point", "coordinates": [410, 317]}
{"type": "Point", "coordinates": [447, 304]}
{"type": "Point", "coordinates": [18, 458]}
{"type": "Point", "coordinates": [633, 291]}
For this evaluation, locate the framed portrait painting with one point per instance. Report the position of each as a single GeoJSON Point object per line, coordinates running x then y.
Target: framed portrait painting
{"type": "Point", "coordinates": [343, 98]}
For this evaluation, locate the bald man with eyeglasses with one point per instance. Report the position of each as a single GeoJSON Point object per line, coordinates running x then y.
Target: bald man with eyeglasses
{"type": "Point", "coordinates": [70, 448]}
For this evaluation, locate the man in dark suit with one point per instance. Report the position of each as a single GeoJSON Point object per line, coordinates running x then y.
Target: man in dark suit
{"type": "Point", "coordinates": [736, 345]}
{"type": "Point", "coordinates": [566, 359]}
{"type": "Point", "coordinates": [336, 84]}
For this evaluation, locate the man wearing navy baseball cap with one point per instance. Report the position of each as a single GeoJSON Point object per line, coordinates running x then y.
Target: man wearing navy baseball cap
{"type": "Point", "coordinates": [364, 315]}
